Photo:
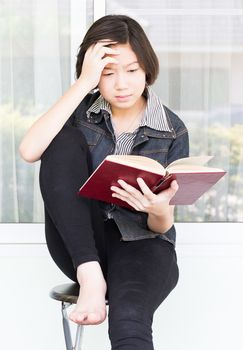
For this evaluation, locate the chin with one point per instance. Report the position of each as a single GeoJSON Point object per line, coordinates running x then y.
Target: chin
{"type": "Point", "coordinates": [123, 104]}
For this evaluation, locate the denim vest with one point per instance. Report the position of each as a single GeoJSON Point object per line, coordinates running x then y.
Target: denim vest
{"type": "Point", "coordinates": [163, 146]}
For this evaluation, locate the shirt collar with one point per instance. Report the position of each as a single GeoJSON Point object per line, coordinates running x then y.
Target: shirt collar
{"type": "Point", "coordinates": [154, 115]}
{"type": "Point", "coordinates": [99, 104]}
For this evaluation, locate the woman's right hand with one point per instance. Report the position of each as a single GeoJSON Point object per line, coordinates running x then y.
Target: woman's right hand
{"type": "Point", "coordinates": [96, 58]}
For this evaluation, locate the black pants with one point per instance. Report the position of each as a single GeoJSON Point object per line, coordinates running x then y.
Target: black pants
{"type": "Point", "coordinates": [139, 274]}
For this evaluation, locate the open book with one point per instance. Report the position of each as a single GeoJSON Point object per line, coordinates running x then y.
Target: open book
{"type": "Point", "coordinates": [193, 177]}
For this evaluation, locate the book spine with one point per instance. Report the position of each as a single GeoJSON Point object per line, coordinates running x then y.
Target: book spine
{"type": "Point", "coordinates": [163, 184]}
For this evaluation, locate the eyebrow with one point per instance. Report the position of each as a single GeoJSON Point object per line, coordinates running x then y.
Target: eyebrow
{"type": "Point", "coordinates": [126, 65]}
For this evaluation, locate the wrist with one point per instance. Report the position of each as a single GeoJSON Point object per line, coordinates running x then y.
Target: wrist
{"type": "Point", "coordinates": [163, 213]}
{"type": "Point", "coordinates": [83, 85]}
{"type": "Point", "coordinates": [161, 222]}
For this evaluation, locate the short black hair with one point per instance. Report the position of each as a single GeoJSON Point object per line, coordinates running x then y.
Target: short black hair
{"type": "Point", "coordinates": [123, 30]}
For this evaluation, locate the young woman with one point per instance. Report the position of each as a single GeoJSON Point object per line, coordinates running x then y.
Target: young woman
{"type": "Point", "coordinates": [124, 255]}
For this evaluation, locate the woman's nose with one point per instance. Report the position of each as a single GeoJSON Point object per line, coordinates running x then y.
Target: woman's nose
{"type": "Point", "coordinates": [121, 82]}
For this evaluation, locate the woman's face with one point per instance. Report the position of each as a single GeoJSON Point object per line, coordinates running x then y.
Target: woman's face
{"type": "Point", "coordinates": [122, 84]}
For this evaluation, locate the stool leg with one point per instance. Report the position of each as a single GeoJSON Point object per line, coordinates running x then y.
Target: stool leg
{"type": "Point", "coordinates": [66, 326]}
{"type": "Point", "coordinates": [67, 332]}
{"type": "Point", "coordinates": [79, 335]}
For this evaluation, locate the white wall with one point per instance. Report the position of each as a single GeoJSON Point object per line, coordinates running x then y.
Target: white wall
{"type": "Point", "coordinates": [204, 312]}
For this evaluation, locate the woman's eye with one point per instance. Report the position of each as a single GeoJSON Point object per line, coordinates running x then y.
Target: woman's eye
{"type": "Point", "coordinates": [132, 70]}
{"type": "Point", "coordinates": [107, 74]}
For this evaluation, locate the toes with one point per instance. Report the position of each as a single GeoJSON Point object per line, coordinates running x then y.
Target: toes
{"type": "Point", "coordinates": [94, 318]}
{"type": "Point", "coordinates": [81, 317]}
{"type": "Point", "coordinates": [78, 317]}
{"type": "Point", "coordinates": [88, 318]}
{"type": "Point", "coordinates": [91, 318]}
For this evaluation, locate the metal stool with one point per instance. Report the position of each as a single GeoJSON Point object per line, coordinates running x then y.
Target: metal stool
{"type": "Point", "coordinates": [68, 295]}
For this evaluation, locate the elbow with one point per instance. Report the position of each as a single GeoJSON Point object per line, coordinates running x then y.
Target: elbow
{"type": "Point", "coordinates": [27, 155]}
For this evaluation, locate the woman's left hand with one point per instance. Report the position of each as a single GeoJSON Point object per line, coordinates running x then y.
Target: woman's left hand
{"type": "Point", "coordinates": [145, 200]}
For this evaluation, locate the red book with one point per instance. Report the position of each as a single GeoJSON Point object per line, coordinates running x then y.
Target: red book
{"type": "Point", "coordinates": [193, 177]}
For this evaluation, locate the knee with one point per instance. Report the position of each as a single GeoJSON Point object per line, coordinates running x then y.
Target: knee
{"type": "Point", "coordinates": [67, 142]}
{"type": "Point", "coordinates": [66, 160]}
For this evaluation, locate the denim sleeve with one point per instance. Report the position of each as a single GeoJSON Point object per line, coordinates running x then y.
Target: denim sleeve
{"type": "Point", "coordinates": [81, 109]}
{"type": "Point", "coordinates": [180, 146]}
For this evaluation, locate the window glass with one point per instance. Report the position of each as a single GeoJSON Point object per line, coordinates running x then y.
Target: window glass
{"type": "Point", "coordinates": [35, 66]}
{"type": "Point", "coordinates": [199, 46]}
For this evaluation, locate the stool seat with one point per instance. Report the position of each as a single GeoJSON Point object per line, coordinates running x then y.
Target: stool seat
{"type": "Point", "coordinates": [67, 292]}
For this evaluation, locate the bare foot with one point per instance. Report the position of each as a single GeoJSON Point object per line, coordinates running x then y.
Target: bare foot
{"type": "Point", "coordinates": [90, 308]}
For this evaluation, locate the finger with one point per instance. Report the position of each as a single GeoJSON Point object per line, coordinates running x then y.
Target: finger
{"type": "Point", "coordinates": [171, 191]}
{"type": "Point", "coordinates": [106, 52]}
{"type": "Point", "coordinates": [108, 60]}
{"type": "Point", "coordinates": [107, 41]}
{"type": "Point", "coordinates": [127, 200]}
{"type": "Point", "coordinates": [174, 185]}
{"type": "Point", "coordinates": [128, 197]}
{"type": "Point", "coordinates": [144, 188]}
{"type": "Point", "coordinates": [110, 51]}
{"type": "Point", "coordinates": [119, 191]}
{"type": "Point", "coordinates": [124, 193]}
{"type": "Point", "coordinates": [130, 189]}
{"type": "Point", "coordinates": [102, 43]}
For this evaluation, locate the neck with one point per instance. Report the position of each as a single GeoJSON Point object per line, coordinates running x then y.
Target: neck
{"type": "Point", "coordinates": [128, 122]}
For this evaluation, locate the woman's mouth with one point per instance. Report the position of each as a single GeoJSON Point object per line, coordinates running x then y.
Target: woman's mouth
{"type": "Point", "coordinates": [123, 98]}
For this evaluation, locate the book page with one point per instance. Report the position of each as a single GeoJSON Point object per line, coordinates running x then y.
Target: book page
{"type": "Point", "coordinates": [194, 169]}
{"type": "Point", "coordinates": [188, 163]}
{"type": "Point", "coordinates": [139, 162]}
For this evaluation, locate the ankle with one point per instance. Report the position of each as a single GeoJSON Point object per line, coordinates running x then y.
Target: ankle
{"type": "Point", "coordinates": [89, 271]}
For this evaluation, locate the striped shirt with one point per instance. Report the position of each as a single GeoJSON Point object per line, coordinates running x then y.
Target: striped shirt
{"type": "Point", "coordinates": [154, 117]}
